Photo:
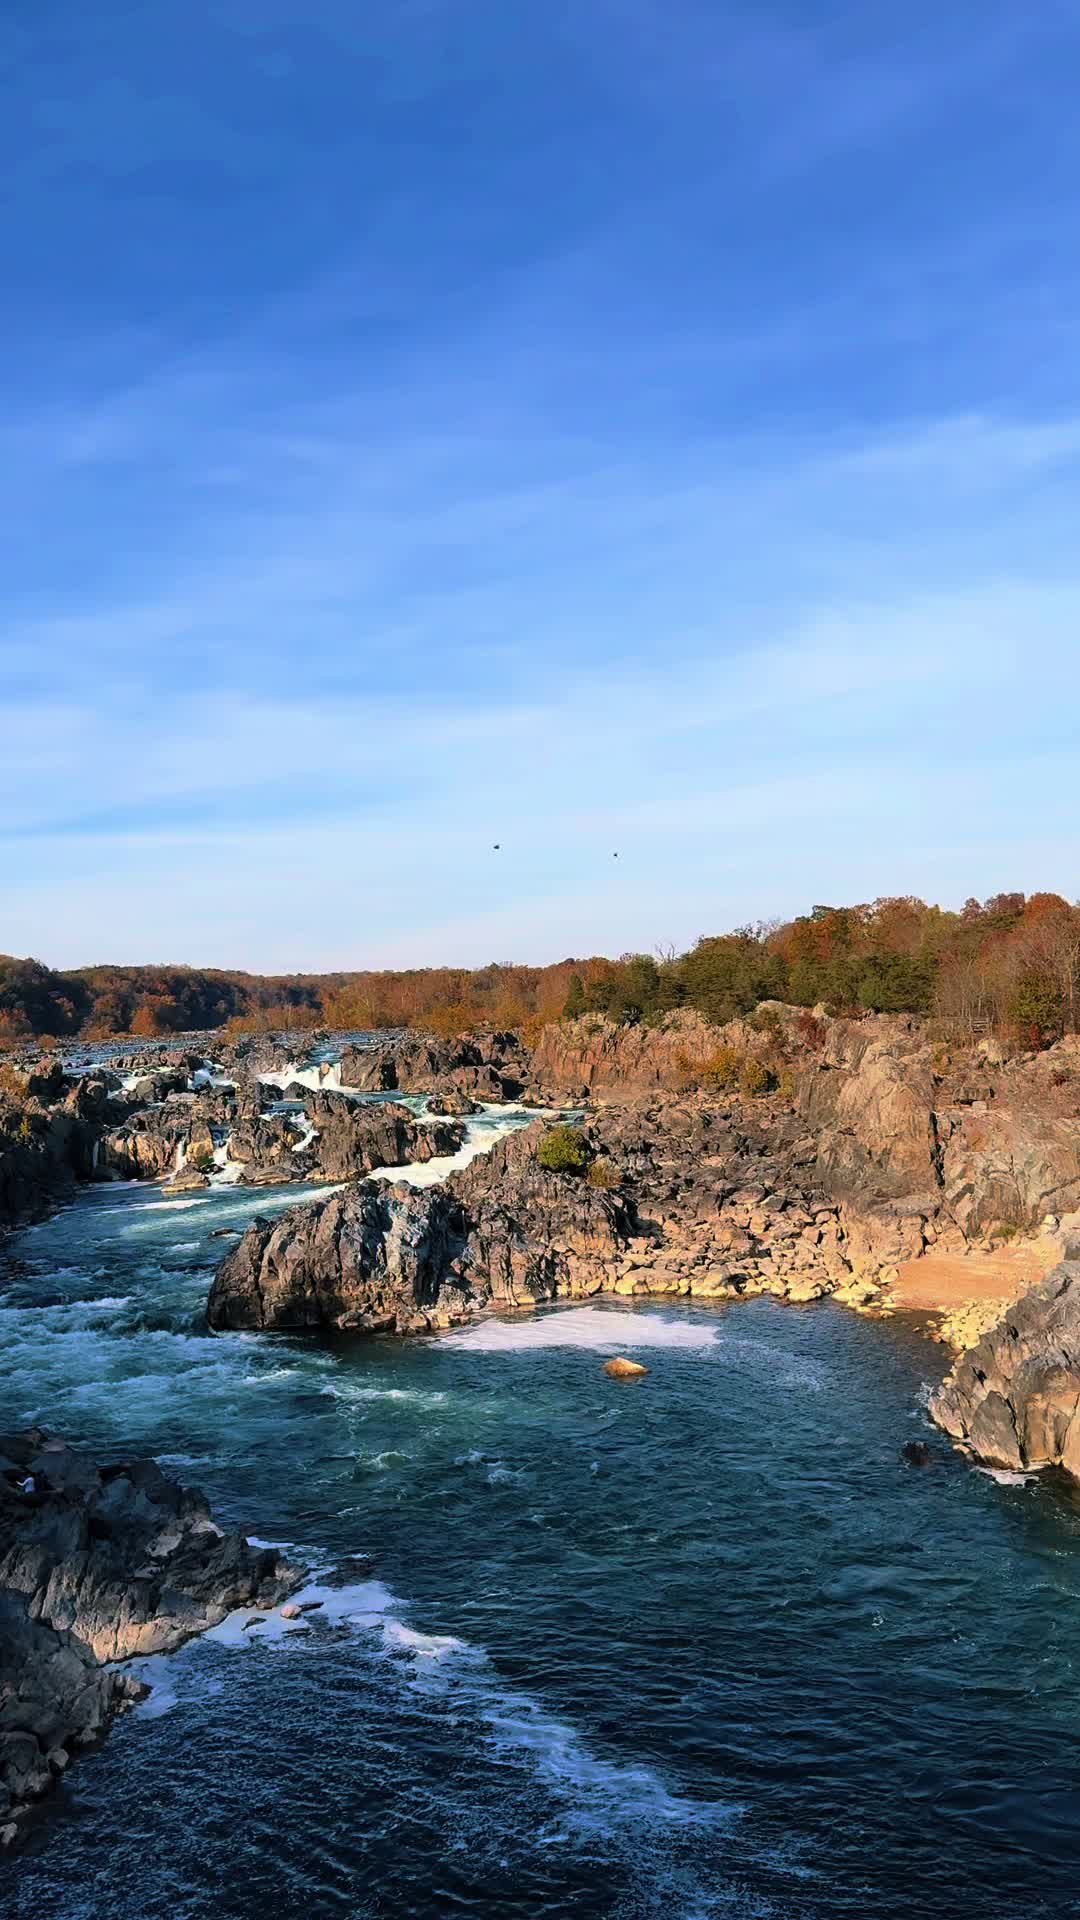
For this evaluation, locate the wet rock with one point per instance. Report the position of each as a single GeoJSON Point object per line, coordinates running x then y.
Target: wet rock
{"type": "Point", "coordinates": [620, 1368]}
{"type": "Point", "coordinates": [352, 1139]}
{"type": "Point", "coordinates": [916, 1453]}
{"type": "Point", "coordinates": [99, 1562]}
{"type": "Point", "coordinates": [452, 1102]}
{"type": "Point", "coordinates": [188, 1180]}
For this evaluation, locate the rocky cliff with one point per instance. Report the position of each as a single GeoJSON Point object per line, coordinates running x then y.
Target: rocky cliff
{"type": "Point", "coordinates": [595, 1058]}
{"type": "Point", "coordinates": [1014, 1398]}
{"type": "Point", "coordinates": [98, 1562]}
{"type": "Point", "coordinates": [682, 1197]}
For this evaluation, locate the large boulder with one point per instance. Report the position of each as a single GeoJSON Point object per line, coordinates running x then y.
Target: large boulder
{"type": "Point", "coordinates": [98, 1562]}
{"type": "Point", "coordinates": [353, 1138]}
{"type": "Point", "coordinates": [377, 1257]}
{"type": "Point", "coordinates": [1014, 1398]}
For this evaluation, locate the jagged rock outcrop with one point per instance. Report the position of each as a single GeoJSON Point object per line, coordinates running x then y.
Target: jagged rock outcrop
{"type": "Point", "coordinates": [921, 1150]}
{"type": "Point", "coordinates": [452, 1103]}
{"type": "Point", "coordinates": [681, 1198]}
{"type": "Point", "coordinates": [487, 1066]}
{"type": "Point", "coordinates": [149, 1145]}
{"type": "Point", "coordinates": [43, 1153]}
{"type": "Point", "coordinates": [535, 1235]}
{"type": "Point", "coordinates": [98, 1563]}
{"type": "Point", "coordinates": [377, 1257]}
{"type": "Point", "coordinates": [869, 1100]}
{"type": "Point", "coordinates": [351, 1139]}
{"type": "Point", "coordinates": [1009, 1166]}
{"type": "Point", "coordinates": [1014, 1398]}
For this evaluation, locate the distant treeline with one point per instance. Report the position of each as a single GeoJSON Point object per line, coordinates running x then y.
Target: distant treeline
{"type": "Point", "coordinates": [1009, 965]}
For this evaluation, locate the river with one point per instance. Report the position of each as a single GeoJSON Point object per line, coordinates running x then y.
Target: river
{"type": "Point", "coordinates": [690, 1646]}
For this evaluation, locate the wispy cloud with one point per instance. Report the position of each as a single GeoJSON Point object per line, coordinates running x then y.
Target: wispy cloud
{"type": "Point", "coordinates": [592, 429]}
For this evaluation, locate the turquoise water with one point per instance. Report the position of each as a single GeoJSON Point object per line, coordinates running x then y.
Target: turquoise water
{"type": "Point", "coordinates": [692, 1646]}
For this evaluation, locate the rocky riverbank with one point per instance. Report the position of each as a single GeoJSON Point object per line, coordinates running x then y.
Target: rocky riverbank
{"type": "Point", "coordinates": [99, 1561]}
{"type": "Point", "coordinates": [874, 1166]}
{"type": "Point", "coordinates": [1014, 1398]}
{"type": "Point", "coordinates": [790, 1153]}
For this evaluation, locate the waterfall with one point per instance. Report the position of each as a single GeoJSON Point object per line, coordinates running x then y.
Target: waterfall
{"type": "Point", "coordinates": [227, 1172]}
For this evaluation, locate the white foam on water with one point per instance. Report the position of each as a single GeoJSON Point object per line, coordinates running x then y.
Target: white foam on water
{"type": "Point", "coordinates": [429, 1173]}
{"type": "Point", "coordinates": [324, 1073]}
{"type": "Point", "coordinates": [425, 1646]}
{"type": "Point", "coordinates": [157, 1206]}
{"type": "Point", "coordinates": [364, 1605]}
{"type": "Point", "coordinates": [416, 1396]}
{"type": "Point", "coordinates": [227, 1172]}
{"type": "Point", "coordinates": [267, 1199]}
{"type": "Point", "coordinates": [384, 1462]}
{"type": "Point", "coordinates": [596, 1790]}
{"type": "Point", "coordinates": [158, 1674]}
{"type": "Point", "coordinates": [593, 1329]}
{"type": "Point", "coordinates": [269, 1378]}
{"type": "Point", "coordinates": [503, 1476]}
{"type": "Point", "coordinates": [1005, 1477]}
{"type": "Point", "coordinates": [482, 1130]}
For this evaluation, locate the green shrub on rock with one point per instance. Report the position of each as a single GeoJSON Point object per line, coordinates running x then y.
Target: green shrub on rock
{"type": "Point", "coordinates": [564, 1150]}
{"type": "Point", "coordinates": [756, 1078]}
{"type": "Point", "coordinates": [722, 1069]}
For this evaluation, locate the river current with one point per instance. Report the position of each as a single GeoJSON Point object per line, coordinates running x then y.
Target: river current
{"type": "Point", "coordinates": [697, 1645]}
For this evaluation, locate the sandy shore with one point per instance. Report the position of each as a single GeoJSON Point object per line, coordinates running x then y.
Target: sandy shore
{"type": "Point", "coordinates": [939, 1282]}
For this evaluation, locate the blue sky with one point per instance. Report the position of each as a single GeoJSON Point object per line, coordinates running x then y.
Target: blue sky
{"type": "Point", "coordinates": [640, 425]}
